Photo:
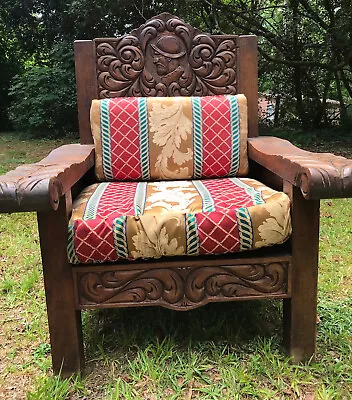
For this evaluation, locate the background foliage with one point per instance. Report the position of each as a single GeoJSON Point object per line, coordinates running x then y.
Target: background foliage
{"type": "Point", "coordinates": [44, 95]}
{"type": "Point", "coordinates": [305, 52]}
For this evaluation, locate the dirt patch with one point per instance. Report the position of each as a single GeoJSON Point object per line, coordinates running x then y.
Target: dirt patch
{"type": "Point", "coordinates": [16, 370]}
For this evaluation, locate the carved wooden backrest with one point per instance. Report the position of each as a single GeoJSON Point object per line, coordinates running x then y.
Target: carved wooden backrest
{"type": "Point", "coordinates": [165, 57]}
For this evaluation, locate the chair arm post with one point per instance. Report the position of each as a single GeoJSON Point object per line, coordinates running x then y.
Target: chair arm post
{"type": "Point", "coordinates": [64, 319]}
{"type": "Point", "coordinates": [300, 311]}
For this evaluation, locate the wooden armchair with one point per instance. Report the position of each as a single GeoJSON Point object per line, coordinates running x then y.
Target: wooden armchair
{"type": "Point", "coordinates": [166, 57]}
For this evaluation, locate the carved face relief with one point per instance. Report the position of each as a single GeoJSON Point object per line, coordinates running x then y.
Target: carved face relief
{"type": "Point", "coordinates": [167, 51]}
{"type": "Point", "coordinates": [166, 57]}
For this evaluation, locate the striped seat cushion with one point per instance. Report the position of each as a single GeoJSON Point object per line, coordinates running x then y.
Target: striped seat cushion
{"type": "Point", "coordinates": [165, 138]}
{"type": "Point", "coordinates": [130, 220]}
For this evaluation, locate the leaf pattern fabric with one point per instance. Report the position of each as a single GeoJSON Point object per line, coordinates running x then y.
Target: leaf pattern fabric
{"type": "Point", "coordinates": [169, 127]}
{"type": "Point", "coordinates": [167, 196]}
{"type": "Point", "coordinates": [152, 239]}
{"type": "Point", "coordinates": [167, 138]}
{"type": "Point", "coordinates": [131, 220]}
{"type": "Point", "coordinates": [152, 155]}
{"type": "Point", "coordinates": [276, 228]}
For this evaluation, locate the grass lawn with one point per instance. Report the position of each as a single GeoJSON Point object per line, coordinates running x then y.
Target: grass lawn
{"type": "Point", "coordinates": [221, 351]}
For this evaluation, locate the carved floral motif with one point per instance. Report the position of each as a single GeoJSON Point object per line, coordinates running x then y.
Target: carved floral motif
{"type": "Point", "coordinates": [166, 57]}
{"type": "Point", "coordinates": [186, 287]}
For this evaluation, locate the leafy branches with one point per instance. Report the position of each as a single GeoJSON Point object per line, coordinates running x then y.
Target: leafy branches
{"type": "Point", "coordinates": [43, 97]}
{"type": "Point", "coordinates": [305, 46]}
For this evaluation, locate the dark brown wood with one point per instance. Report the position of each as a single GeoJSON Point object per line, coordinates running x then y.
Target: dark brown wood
{"type": "Point", "coordinates": [265, 176]}
{"type": "Point", "coordinates": [265, 254]}
{"type": "Point", "coordinates": [300, 311]}
{"type": "Point", "coordinates": [247, 78]}
{"type": "Point", "coordinates": [39, 186]}
{"type": "Point", "coordinates": [86, 86]}
{"type": "Point", "coordinates": [318, 175]}
{"type": "Point", "coordinates": [64, 320]}
{"type": "Point", "coordinates": [181, 288]}
{"type": "Point", "coordinates": [166, 57]}
{"type": "Point", "coordinates": [262, 257]}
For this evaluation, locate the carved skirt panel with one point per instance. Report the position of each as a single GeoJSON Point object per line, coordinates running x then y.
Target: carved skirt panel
{"type": "Point", "coordinates": [180, 288]}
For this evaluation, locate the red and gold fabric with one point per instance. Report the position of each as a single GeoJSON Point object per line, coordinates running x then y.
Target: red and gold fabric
{"type": "Point", "coordinates": [167, 138]}
{"type": "Point", "coordinates": [130, 220]}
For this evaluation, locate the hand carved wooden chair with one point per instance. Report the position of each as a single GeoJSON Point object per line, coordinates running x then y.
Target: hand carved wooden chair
{"type": "Point", "coordinates": [176, 214]}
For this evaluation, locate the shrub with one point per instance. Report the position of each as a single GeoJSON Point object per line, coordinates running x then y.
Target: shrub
{"type": "Point", "coordinates": [43, 97]}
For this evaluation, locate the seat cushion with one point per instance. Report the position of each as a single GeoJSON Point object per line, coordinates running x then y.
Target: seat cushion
{"type": "Point", "coordinates": [161, 138]}
{"type": "Point", "coordinates": [131, 220]}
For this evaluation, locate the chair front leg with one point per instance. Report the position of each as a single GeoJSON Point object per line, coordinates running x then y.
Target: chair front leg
{"type": "Point", "coordinates": [300, 311]}
{"type": "Point", "coordinates": [64, 320]}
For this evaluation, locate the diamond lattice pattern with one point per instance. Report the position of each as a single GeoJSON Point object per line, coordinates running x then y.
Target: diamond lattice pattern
{"type": "Point", "coordinates": [227, 195]}
{"type": "Point", "coordinates": [94, 239]}
{"type": "Point", "coordinates": [216, 136]}
{"type": "Point", "coordinates": [124, 134]}
{"type": "Point", "coordinates": [117, 200]}
{"type": "Point", "coordinates": [218, 232]}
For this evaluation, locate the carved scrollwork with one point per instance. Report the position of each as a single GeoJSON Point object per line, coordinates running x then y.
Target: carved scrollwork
{"type": "Point", "coordinates": [213, 65]}
{"type": "Point", "coordinates": [183, 287]}
{"type": "Point", "coordinates": [324, 173]}
{"type": "Point", "coordinates": [132, 286]}
{"type": "Point", "coordinates": [243, 280]}
{"type": "Point", "coordinates": [30, 181]}
{"type": "Point", "coordinates": [166, 57]}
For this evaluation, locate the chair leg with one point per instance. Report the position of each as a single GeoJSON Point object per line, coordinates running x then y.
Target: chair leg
{"type": "Point", "coordinates": [64, 320]}
{"type": "Point", "coordinates": [300, 311]}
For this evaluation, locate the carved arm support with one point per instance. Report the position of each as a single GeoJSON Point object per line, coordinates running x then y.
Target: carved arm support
{"type": "Point", "coordinates": [318, 175]}
{"type": "Point", "coordinates": [39, 186]}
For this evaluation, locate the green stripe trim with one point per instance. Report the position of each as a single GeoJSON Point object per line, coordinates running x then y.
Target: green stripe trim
{"type": "Point", "coordinates": [144, 137]}
{"type": "Point", "coordinates": [71, 251]}
{"type": "Point", "coordinates": [197, 128]}
{"type": "Point", "coordinates": [139, 198]}
{"type": "Point", "coordinates": [92, 205]}
{"type": "Point", "coordinates": [120, 238]}
{"type": "Point", "coordinates": [245, 228]}
{"type": "Point", "coordinates": [207, 200]}
{"type": "Point", "coordinates": [105, 138]}
{"type": "Point", "coordinates": [192, 239]}
{"type": "Point", "coordinates": [256, 195]}
{"type": "Point", "coordinates": [235, 135]}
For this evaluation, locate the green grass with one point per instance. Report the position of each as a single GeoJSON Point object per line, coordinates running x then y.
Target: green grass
{"type": "Point", "coordinates": [16, 149]}
{"type": "Point", "coordinates": [220, 351]}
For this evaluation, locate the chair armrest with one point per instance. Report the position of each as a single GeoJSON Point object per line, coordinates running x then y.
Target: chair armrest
{"type": "Point", "coordinates": [39, 186]}
{"type": "Point", "coordinates": [318, 175]}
